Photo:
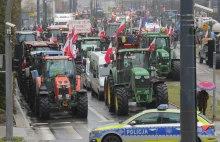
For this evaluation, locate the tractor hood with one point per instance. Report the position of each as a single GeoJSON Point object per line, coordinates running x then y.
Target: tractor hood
{"type": "Point", "coordinates": [138, 71]}
{"type": "Point", "coordinates": [62, 80]}
{"type": "Point", "coordinates": [163, 53]}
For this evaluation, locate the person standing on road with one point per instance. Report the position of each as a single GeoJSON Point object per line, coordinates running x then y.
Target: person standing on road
{"type": "Point", "coordinates": [202, 99]}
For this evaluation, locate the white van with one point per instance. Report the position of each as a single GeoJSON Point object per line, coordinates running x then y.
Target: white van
{"type": "Point", "coordinates": [98, 72]}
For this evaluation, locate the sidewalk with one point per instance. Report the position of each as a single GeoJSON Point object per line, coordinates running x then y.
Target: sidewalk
{"type": "Point", "coordinates": [22, 127]}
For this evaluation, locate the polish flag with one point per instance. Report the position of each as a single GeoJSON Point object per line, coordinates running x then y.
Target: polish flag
{"type": "Point", "coordinates": [121, 28]}
{"type": "Point", "coordinates": [152, 45]}
{"type": "Point", "coordinates": [108, 53]}
{"type": "Point", "coordinates": [171, 31]}
{"type": "Point", "coordinates": [154, 29]}
{"type": "Point", "coordinates": [140, 28]}
{"type": "Point", "coordinates": [68, 52]}
{"type": "Point", "coordinates": [163, 9]}
{"type": "Point", "coordinates": [207, 34]}
{"type": "Point", "coordinates": [52, 39]}
{"type": "Point", "coordinates": [166, 30]}
{"type": "Point", "coordinates": [67, 44]}
{"type": "Point", "coordinates": [68, 36]}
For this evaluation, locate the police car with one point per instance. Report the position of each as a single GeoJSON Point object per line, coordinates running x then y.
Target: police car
{"type": "Point", "coordinates": [155, 125]}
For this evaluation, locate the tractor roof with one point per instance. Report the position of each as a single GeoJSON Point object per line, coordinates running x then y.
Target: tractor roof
{"type": "Point", "coordinates": [155, 34]}
{"type": "Point", "coordinates": [132, 50]}
{"type": "Point", "coordinates": [89, 38]}
{"type": "Point", "coordinates": [39, 43]}
{"type": "Point", "coordinates": [25, 32]}
{"type": "Point", "coordinates": [57, 58]}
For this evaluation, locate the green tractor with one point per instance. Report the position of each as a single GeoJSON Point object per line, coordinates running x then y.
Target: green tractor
{"type": "Point", "coordinates": [163, 56]}
{"type": "Point", "coordinates": [132, 79]}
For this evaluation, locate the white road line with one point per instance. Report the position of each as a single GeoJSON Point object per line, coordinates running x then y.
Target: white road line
{"type": "Point", "coordinates": [87, 128]}
{"type": "Point", "coordinates": [98, 114]}
{"type": "Point", "coordinates": [45, 133]}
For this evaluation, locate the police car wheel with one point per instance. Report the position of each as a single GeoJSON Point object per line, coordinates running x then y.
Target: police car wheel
{"type": "Point", "coordinates": [111, 138]}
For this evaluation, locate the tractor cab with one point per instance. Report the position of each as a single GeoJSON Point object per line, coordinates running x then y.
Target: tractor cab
{"type": "Point", "coordinates": [55, 32]}
{"type": "Point", "coordinates": [163, 56]}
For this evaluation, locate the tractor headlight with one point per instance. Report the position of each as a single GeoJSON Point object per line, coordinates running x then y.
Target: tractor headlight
{"type": "Point", "coordinates": [59, 86]}
{"type": "Point", "coordinates": [146, 77]}
{"type": "Point", "coordinates": [137, 77]}
{"type": "Point", "coordinates": [68, 86]}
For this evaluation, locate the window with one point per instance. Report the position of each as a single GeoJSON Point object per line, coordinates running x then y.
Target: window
{"type": "Point", "coordinates": [149, 118]}
{"type": "Point", "coordinates": [170, 118]}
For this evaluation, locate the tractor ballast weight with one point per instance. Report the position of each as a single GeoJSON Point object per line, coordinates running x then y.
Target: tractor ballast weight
{"type": "Point", "coordinates": [60, 90]}
{"type": "Point", "coordinates": [133, 79]}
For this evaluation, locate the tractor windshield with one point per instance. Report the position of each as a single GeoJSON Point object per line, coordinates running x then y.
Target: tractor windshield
{"type": "Point", "coordinates": [132, 60]}
{"type": "Point", "coordinates": [55, 33]}
{"type": "Point", "coordinates": [87, 46]}
{"type": "Point", "coordinates": [56, 67]}
{"type": "Point", "coordinates": [26, 37]}
{"type": "Point", "coordinates": [160, 43]}
{"type": "Point", "coordinates": [43, 49]}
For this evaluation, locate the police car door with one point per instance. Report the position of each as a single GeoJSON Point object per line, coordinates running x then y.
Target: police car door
{"type": "Point", "coordinates": [169, 130]}
{"type": "Point", "coordinates": [145, 129]}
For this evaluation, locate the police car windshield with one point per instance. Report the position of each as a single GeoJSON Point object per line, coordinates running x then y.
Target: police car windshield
{"type": "Point", "coordinates": [55, 67]}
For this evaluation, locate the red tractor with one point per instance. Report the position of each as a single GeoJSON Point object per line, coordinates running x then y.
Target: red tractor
{"type": "Point", "coordinates": [58, 88]}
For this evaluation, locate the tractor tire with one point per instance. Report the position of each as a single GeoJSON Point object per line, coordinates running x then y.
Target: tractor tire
{"type": "Point", "coordinates": [82, 106]}
{"type": "Point", "coordinates": [200, 59]}
{"type": "Point", "coordinates": [101, 96]}
{"type": "Point", "coordinates": [217, 61]}
{"type": "Point", "coordinates": [121, 101]}
{"type": "Point", "coordinates": [175, 73]}
{"type": "Point", "coordinates": [79, 68]}
{"type": "Point", "coordinates": [93, 93]}
{"type": "Point", "coordinates": [105, 92]}
{"type": "Point", "coordinates": [161, 94]}
{"type": "Point", "coordinates": [44, 107]}
{"type": "Point", "coordinates": [110, 93]}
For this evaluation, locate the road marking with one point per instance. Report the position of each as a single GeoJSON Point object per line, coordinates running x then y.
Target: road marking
{"type": "Point", "coordinates": [98, 114]}
{"type": "Point", "coordinates": [87, 128]}
{"type": "Point", "coordinates": [45, 133]}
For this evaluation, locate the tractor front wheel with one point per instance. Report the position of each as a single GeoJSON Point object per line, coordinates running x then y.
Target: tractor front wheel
{"type": "Point", "coordinates": [217, 61]}
{"type": "Point", "coordinates": [110, 94]}
{"type": "Point", "coordinates": [44, 107]}
{"type": "Point", "coordinates": [175, 73]}
{"type": "Point", "coordinates": [121, 101]}
{"type": "Point", "coordinates": [161, 93]}
{"type": "Point", "coordinates": [82, 106]}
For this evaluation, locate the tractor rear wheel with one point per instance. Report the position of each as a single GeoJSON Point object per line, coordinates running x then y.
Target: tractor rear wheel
{"type": "Point", "coordinates": [217, 61]}
{"type": "Point", "coordinates": [110, 93]}
{"type": "Point", "coordinates": [82, 106]}
{"type": "Point", "coordinates": [44, 107]}
{"type": "Point", "coordinates": [161, 93]}
{"type": "Point", "coordinates": [175, 73]}
{"type": "Point", "coordinates": [121, 101]}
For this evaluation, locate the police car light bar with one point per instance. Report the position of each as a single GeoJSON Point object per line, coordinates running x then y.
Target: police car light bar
{"type": "Point", "coordinates": [162, 107]}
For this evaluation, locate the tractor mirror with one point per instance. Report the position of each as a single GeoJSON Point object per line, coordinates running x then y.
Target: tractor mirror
{"type": "Point", "coordinates": [105, 65]}
{"type": "Point", "coordinates": [112, 56]}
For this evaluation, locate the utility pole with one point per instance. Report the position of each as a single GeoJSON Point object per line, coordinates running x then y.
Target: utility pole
{"type": "Point", "coordinates": [8, 76]}
{"type": "Point", "coordinates": [219, 11]}
{"type": "Point", "coordinates": [38, 12]}
{"type": "Point", "coordinates": [70, 6]}
{"type": "Point", "coordinates": [20, 18]}
{"type": "Point", "coordinates": [210, 3]}
{"type": "Point", "coordinates": [214, 81]}
{"type": "Point", "coordinates": [45, 11]}
{"type": "Point", "coordinates": [188, 123]}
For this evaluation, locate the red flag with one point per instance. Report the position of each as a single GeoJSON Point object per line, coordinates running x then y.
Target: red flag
{"type": "Point", "coordinates": [121, 28]}
{"type": "Point", "coordinates": [166, 30]}
{"type": "Point", "coordinates": [140, 28]}
{"type": "Point", "coordinates": [163, 9]}
{"type": "Point", "coordinates": [108, 53]}
{"type": "Point", "coordinates": [152, 45]}
{"type": "Point", "coordinates": [68, 52]}
{"type": "Point", "coordinates": [171, 31]}
{"type": "Point", "coordinates": [73, 32]}
{"type": "Point", "coordinates": [207, 34]}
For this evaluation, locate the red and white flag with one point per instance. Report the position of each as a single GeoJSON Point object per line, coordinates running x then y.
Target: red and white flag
{"type": "Point", "coordinates": [140, 28]}
{"type": "Point", "coordinates": [207, 34]}
{"type": "Point", "coordinates": [121, 27]}
{"type": "Point", "coordinates": [152, 45]}
{"type": "Point", "coordinates": [166, 30]}
{"type": "Point", "coordinates": [154, 29]}
{"type": "Point", "coordinates": [108, 53]}
{"type": "Point", "coordinates": [52, 39]}
{"type": "Point", "coordinates": [163, 9]}
{"type": "Point", "coordinates": [67, 44]}
{"type": "Point", "coordinates": [170, 31]}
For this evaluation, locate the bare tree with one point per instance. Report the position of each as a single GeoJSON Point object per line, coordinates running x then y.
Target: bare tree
{"type": "Point", "coordinates": [29, 6]}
